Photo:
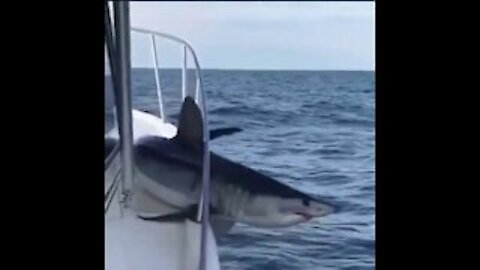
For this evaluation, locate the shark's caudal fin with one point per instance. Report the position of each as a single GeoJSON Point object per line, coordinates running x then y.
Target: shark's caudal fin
{"type": "Point", "coordinates": [190, 125]}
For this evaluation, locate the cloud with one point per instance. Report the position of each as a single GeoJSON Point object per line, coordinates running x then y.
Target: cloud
{"type": "Point", "coordinates": [274, 35]}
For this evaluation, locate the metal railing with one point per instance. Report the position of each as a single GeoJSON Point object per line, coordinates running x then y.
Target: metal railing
{"type": "Point", "coordinates": [203, 210]}
{"type": "Point", "coordinates": [198, 88]}
{"type": "Point", "coordinates": [186, 49]}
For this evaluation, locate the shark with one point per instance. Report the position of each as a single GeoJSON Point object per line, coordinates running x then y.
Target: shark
{"type": "Point", "coordinates": [170, 170]}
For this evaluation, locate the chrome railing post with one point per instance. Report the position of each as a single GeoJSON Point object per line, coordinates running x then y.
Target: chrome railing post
{"type": "Point", "coordinates": [197, 89]}
{"type": "Point", "coordinates": [122, 29]}
{"type": "Point", "coordinates": [157, 77]}
{"type": "Point", "coordinates": [184, 73]}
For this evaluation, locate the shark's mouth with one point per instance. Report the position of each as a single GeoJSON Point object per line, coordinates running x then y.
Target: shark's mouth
{"type": "Point", "coordinates": [305, 216]}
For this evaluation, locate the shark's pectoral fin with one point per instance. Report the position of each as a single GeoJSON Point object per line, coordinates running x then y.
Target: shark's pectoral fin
{"type": "Point", "coordinates": [175, 217]}
{"type": "Point", "coordinates": [190, 213]}
{"type": "Point", "coordinates": [221, 226]}
{"type": "Point", "coordinates": [148, 205]}
{"type": "Point", "coordinates": [215, 133]}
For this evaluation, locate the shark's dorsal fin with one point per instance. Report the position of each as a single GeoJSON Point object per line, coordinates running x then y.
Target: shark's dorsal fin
{"type": "Point", "coordinates": [190, 125]}
{"type": "Point", "coordinates": [215, 133]}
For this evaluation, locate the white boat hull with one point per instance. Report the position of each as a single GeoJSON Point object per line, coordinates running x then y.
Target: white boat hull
{"type": "Point", "coordinates": [134, 244]}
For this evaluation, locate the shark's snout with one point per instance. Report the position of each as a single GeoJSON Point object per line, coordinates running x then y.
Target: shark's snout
{"type": "Point", "coordinates": [319, 208]}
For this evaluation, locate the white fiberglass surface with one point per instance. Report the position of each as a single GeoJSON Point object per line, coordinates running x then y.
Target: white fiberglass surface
{"type": "Point", "coordinates": [131, 243]}
{"type": "Point", "coordinates": [147, 124]}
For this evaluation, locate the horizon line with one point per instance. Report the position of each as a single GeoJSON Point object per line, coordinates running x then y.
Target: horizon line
{"type": "Point", "coordinates": [259, 69]}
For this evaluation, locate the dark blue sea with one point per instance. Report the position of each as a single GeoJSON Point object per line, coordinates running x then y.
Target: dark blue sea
{"type": "Point", "coordinates": [314, 130]}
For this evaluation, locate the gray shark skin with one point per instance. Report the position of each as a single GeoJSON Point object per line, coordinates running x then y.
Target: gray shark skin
{"type": "Point", "coordinates": [171, 169]}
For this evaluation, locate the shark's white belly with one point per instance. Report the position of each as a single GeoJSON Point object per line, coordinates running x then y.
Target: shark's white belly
{"type": "Point", "coordinates": [231, 202]}
{"type": "Point", "coordinates": [252, 209]}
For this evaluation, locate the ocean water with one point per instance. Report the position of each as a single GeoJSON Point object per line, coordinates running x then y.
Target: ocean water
{"type": "Point", "coordinates": [314, 130]}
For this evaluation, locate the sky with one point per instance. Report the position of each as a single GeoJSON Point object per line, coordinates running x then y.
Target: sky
{"type": "Point", "coordinates": [260, 35]}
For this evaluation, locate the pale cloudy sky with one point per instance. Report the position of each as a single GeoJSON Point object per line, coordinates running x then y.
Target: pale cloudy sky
{"type": "Point", "coordinates": [263, 35]}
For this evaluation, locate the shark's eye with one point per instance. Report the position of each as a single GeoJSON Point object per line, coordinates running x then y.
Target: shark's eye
{"type": "Point", "coordinates": [306, 202]}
